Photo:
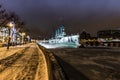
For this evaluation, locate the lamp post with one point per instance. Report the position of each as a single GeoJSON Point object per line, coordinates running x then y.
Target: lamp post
{"type": "Point", "coordinates": [23, 35]}
{"type": "Point", "coordinates": [10, 25]}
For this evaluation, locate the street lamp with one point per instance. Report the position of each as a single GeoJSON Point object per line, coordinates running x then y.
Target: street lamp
{"type": "Point", "coordinates": [23, 35]}
{"type": "Point", "coordinates": [10, 25]}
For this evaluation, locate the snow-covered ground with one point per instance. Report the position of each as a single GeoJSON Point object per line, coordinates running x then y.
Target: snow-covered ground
{"type": "Point", "coordinates": [28, 64]}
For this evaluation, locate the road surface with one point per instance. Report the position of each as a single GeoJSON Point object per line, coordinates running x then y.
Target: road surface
{"type": "Point", "coordinates": [89, 63]}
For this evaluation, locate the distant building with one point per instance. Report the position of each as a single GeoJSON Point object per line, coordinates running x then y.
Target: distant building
{"type": "Point", "coordinates": [3, 34]}
{"type": "Point", "coordinates": [109, 37]}
{"type": "Point", "coordinates": [15, 36]}
{"type": "Point", "coordinates": [85, 35]}
{"type": "Point", "coordinates": [109, 34]}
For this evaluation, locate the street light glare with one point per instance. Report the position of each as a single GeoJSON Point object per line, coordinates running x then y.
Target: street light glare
{"type": "Point", "coordinates": [23, 33]}
{"type": "Point", "coordinates": [11, 24]}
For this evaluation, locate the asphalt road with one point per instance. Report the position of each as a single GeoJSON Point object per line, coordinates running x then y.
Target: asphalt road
{"type": "Point", "coordinates": [89, 63]}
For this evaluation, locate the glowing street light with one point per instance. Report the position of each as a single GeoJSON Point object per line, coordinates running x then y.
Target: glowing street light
{"type": "Point", "coordinates": [23, 35]}
{"type": "Point", "coordinates": [10, 25]}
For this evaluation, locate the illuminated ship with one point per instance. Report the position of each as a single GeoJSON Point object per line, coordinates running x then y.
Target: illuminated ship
{"type": "Point", "coordinates": [61, 40]}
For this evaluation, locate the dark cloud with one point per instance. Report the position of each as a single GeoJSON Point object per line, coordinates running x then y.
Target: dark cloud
{"type": "Point", "coordinates": [44, 16]}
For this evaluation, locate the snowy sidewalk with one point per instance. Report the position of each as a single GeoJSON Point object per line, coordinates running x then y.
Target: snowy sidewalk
{"type": "Point", "coordinates": [13, 49]}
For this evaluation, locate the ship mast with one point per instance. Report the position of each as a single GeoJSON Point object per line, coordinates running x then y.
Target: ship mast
{"type": "Point", "coordinates": [60, 32]}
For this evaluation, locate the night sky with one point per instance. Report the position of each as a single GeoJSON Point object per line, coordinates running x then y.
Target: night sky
{"type": "Point", "coordinates": [44, 16]}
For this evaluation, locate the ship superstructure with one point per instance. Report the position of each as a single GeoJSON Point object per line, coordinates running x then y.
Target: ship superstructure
{"type": "Point", "coordinates": [61, 40]}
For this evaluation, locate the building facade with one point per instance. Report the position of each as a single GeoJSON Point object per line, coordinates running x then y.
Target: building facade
{"type": "Point", "coordinates": [109, 37]}
{"type": "Point", "coordinates": [3, 34]}
{"type": "Point", "coordinates": [15, 36]}
{"type": "Point", "coordinates": [109, 34]}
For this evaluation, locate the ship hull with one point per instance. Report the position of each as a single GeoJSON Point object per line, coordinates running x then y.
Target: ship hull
{"type": "Point", "coordinates": [59, 45]}
{"type": "Point", "coordinates": [65, 42]}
